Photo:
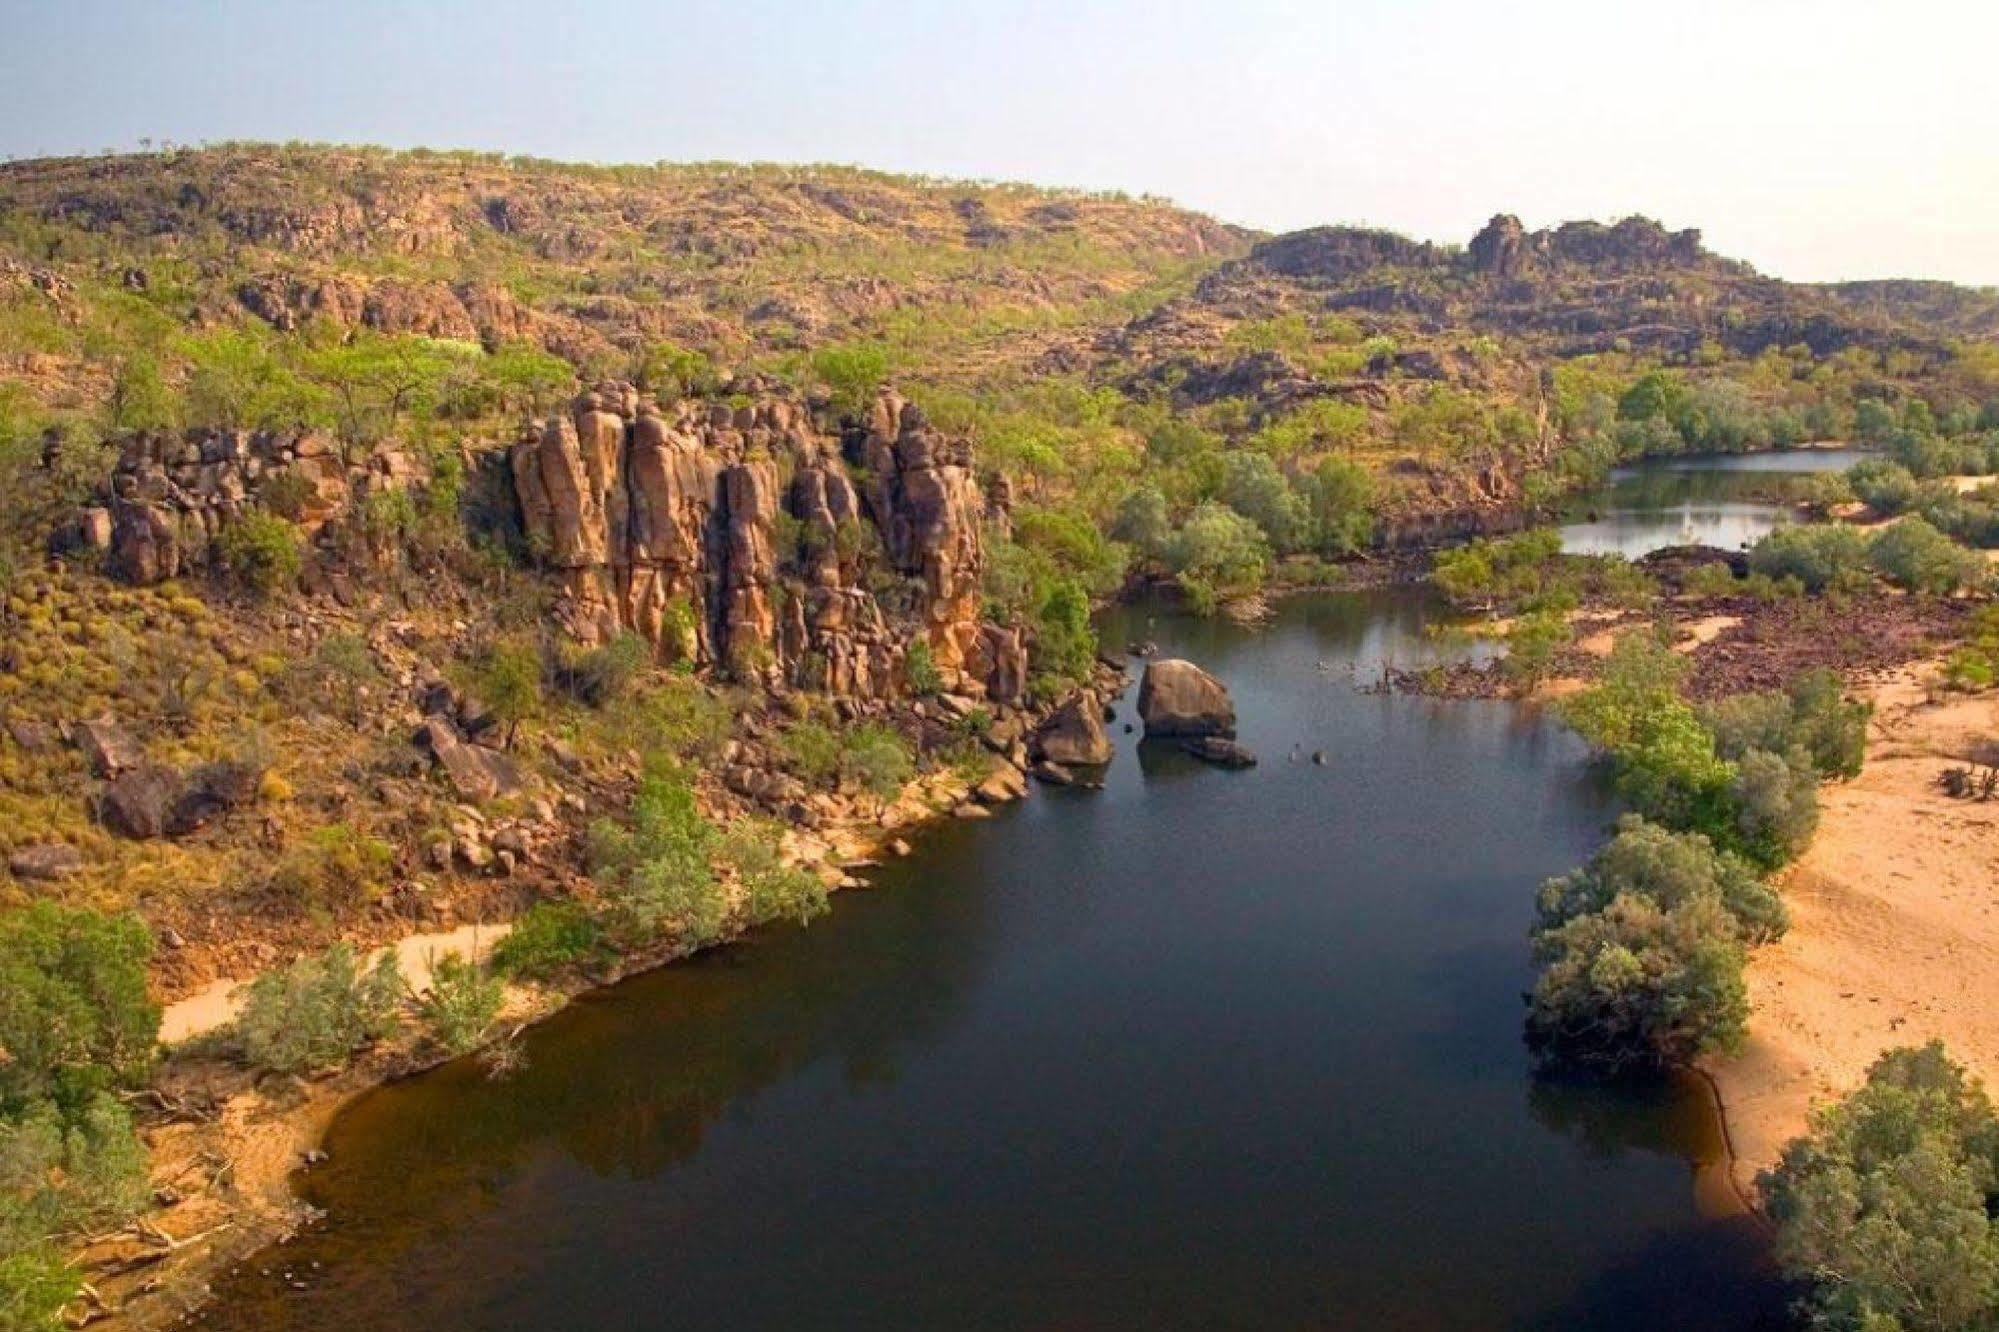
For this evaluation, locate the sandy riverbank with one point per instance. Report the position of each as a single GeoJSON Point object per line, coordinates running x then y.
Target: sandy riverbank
{"type": "Point", "coordinates": [1894, 928]}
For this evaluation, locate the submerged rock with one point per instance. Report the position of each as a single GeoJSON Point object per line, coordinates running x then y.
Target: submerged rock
{"type": "Point", "coordinates": [1178, 699]}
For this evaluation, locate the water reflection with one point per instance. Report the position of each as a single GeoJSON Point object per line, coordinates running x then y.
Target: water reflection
{"type": "Point", "coordinates": [1729, 502]}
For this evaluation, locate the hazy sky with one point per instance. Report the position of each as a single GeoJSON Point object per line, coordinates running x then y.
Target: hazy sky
{"type": "Point", "coordinates": [1815, 138]}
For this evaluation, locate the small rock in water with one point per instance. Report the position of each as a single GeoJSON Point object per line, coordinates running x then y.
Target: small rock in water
{"type": "Point", "coordinates": [1319, 757]}
{"type": "Point", "coordinates": [1220, 752]}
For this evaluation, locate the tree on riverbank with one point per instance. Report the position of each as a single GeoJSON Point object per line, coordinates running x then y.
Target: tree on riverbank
{"type": "Point", "coordinates": [1889, 1207]}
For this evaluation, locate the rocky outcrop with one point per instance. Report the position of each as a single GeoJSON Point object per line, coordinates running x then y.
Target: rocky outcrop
{"type": "Point", "coordinates": [1073, 735]}
{"type": "Point", "coordinates": [171, 493]}
{"type": "Point", "coordinates": [1500, 249]}
{"type": "Point", "coordinates": [1178, 699]}
{"type": "Point", "coordinates": [744, 535]}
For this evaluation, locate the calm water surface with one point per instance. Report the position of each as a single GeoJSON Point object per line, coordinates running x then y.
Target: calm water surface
{"type": "Point", "coordinates": [1200, 1050]}
{"type": "Point", "coordinates": [1729, 501]}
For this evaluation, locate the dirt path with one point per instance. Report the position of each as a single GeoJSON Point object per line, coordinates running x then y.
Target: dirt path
{"type": "Point", "coordinates": [1894, 928]}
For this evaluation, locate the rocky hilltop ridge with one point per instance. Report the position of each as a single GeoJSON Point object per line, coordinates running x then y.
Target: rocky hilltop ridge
{"type": "Point", "coordinates": [747, 536]}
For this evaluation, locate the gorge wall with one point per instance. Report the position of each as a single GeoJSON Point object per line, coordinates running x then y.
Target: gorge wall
{"type": "Point", "coordinates": [743, 535]}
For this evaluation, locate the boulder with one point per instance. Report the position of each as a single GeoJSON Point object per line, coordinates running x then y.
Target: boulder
{"type": "Point", "coordinates": [108, 747]}
{"type": "Point", "coordinates": [50, 860]}
{"type": "Point", "coordinates": [1052, 774]}
{"type": "Point", "coordinates": [474, 772]}
{"type": "Point", "coordinates": [1074, 735]}
{"type": "Point", "coordinates": [1178, 699]}
{"type": "Point", "coordinates": [140, 803]}
{"type": "Point", "coordinates": [1220, 752]}
{"type": "Point", "coordinates": [1004, 783]}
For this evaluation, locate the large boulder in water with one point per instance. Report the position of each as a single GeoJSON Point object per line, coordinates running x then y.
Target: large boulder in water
{"type": "Point", "coordinates": [1073, 735]}
{"type": "Point", "coordinates": [1178, 698]}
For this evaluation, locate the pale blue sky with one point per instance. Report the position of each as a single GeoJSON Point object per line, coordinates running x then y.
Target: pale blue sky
{"type": "Point", "coordinates": [1815, 138]}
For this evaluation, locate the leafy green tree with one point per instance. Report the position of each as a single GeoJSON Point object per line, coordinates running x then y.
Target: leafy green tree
{"type": "Point", "coordinates": [669, 371]}
{"type": "Point", "coordinates": [1340, 497]}
{"type": "Point", "coordinates": [375, 380]}
{"type": "Point", "coordinates": [1641, 951]}
{"type": "Point", "coordinates": [656, 870]}
{"type": "Point", "coordinates": [1143, 521]}
{"type": "Point", "coordinates": [1254, 487]}
{"type": "Point", "coordinates": [853, 373]}
{"type": "Point", "coordinates": [1889, 1207]}
{"type": "Point", "coordinates": [1217, 555]}
{"type": "Point", "coordinates": [238, 381]}
{"type": "Point", "coordinates": [74, 1014]}
{"type": "Point", "coordinates": [506, 679]}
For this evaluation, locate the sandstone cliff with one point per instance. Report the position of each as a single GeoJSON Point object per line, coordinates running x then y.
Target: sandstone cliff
{"type": "Point", "coordinates": [744, 535]}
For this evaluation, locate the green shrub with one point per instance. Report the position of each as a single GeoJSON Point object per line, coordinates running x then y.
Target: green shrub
{"type": "Point", "coordinates": [1916, 556]}
{"type": "Point", "coordinates": [549, 939]}
{"type": "Point", "coordinates": [1641, 951]}
{"type": "Point", "coordinates": [260, 553]}
{"type": "Point", "coordinates": [1819, 556]}
{"type": "Point", "coordinates": [461, 1003]}
{"type": "Point", "coordinates": [337, 867]}
{"type": "Point", "coordinates": [319, 1010]}
{"type": "Point", "coordinates": [63, 1175]}
{"type": "Point", "coordinates": [1668, 868]}
{"type": "Point", "coordinates": [919, 669]}
{"type": "Point", "coordinates": [772, 890]}
{"type": "Point", "coordinates": [1814, 714]}
{"type": "Point", "coordinates": [1532, 645]}
{"type": "Point", "coordinates": [811, 750]}
{"type": "Point", "coordinates": [605, 674]}
{"type": "Point", "coordinates": [74, 1014]}
{"type": "Point", "coordinates": [1883, 486]}
{"type": "Point", "coordinates": [1886, 1208]}
{"type": "Point", "coordinates": [1218, 556]}
{"type": "Point", "coordinates": [656, 872]}
{"type": "Point", "coordinates": [875, 758]}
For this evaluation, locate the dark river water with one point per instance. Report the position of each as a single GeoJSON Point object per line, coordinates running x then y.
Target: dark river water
{"type": "Point", "coordinates": [1200, 1050]}
{"type": "Point", "coordinates": [1729, 501]}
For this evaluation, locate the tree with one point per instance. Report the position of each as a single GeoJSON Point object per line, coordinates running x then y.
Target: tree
{"type": "Point", "coordinates": [656, 870]}
{"type": "Point", "coordinates": [506, 678]}
{"type": "Point", "coordinates": [1887, 1206]}
{"type": "Point", "coordinates": [1340, 496]}
{"type": "Point", "coordinates": [1254, 487]}
{"type": "Point", "coordinates": [375, 379]}
{"type": "Point", "coordinates": [1217, 555]}
{"type": "Point", "coordinates": [74, 1014]}
{"type": "Point", "coordinates": [853, 373]}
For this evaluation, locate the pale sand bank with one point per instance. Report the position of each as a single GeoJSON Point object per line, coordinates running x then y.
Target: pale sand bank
{"type": "Point", "coordinates": [218, 1002]}
{"type": "Point", "coordinates": [1894, 929]}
